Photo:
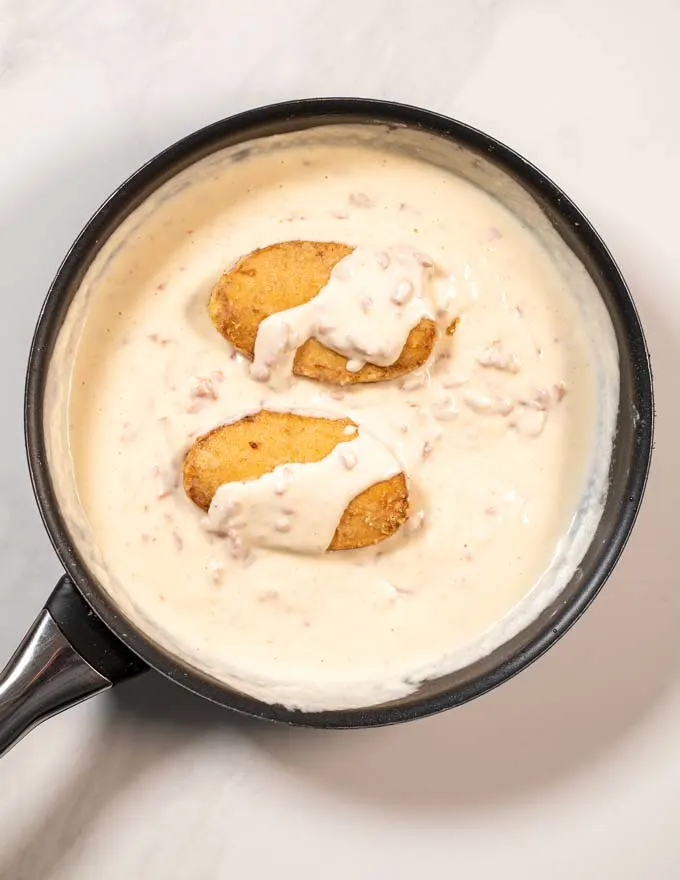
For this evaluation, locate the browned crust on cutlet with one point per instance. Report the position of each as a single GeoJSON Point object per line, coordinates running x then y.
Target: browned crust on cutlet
{"type": "Point", "coordinates": [258, 443]}
{"type": "Point", "coordinates": [288, 274]}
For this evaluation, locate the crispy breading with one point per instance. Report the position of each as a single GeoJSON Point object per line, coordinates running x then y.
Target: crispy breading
{"type": "Point", "coordinates": [288, 274]}
{"type": "Point", "coordinates": [255, 445]}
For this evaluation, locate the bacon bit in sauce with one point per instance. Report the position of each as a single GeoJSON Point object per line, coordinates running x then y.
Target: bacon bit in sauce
{"type": "Point", "coordinates": [361, 200]}
{"type": "Point", "coordinates": [203, 389]}
{"type": "Point", "coordinates": [216, 569]}
{"type": "Point", "coordinates": [486, 405]}
{"type": "Point", "coordinates": [497, 358]}
{"type": "Point", "coordinates": [541, 399]}
{"type": "Point", "coordinates": [167, 482]}
{"type": "Point", "coordinates": [237, 547]}
{"type": "Point", "coordinates": [293, 217]}
{"type": "Point", "coordinates": [529, 421]}
{"type": "Point", "coordinates": [559, 389]}
{"type": "Point", "coordinates": [425, 261]}
{"type": "Point", "coordinates": [427, 449]}
{"type": "Point", "coordinates": [177, 540]}
{"type": "Point", "coordinates": [402, 293]}
{"type": "Point", "coordinates": [260, 373]}
{"type": "Point", "coordinates": [404, 590]}
{"type": "Point", "coordinates": [159, 340]}
{"type": "Point", "coordinates": [233, 507]}
{"type": "Point", "coordinates": [340, 215]}
{"type": "Point", "coordinates": [445, 409]}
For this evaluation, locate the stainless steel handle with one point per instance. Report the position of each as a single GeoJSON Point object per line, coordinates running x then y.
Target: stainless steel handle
{"type": "Point", "coordinates": [45, 676]}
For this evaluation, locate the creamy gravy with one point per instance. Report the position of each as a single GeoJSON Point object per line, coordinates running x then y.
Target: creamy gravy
{"type": "Point", "coordinates": [505, 436]}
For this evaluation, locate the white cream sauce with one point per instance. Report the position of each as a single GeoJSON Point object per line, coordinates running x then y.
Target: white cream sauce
{"type": "Point", "coordinates": [505, 435]}
{"type": "Point", "coordinates": [372, 301]}
{"type": "Point", "coordinates": [281, 509]}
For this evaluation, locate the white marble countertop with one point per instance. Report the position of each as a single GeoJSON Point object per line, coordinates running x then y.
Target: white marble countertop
{"type": "Point", "coordinates": [572, 770]}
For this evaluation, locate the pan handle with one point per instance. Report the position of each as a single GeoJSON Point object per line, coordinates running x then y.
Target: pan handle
{"type": "Point", "coordinates": [67, 656]}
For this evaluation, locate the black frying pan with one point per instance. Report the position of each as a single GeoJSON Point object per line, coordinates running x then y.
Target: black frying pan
{"type": "Point", "coordinates": [80, 643]}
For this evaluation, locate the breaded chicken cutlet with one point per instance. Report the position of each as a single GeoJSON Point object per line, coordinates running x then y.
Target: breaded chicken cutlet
{"type": "Point", "coordinates": [256, 444]}
{"type": "Point", "coordinates": [289, 274]}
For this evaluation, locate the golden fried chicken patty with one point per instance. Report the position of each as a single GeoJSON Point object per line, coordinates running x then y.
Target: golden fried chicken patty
{"type": "Point", "coordinates": [288, 274]}
{"type": "Point", "coordinates": [256, 444]}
